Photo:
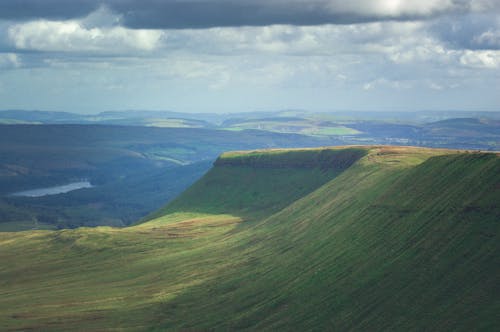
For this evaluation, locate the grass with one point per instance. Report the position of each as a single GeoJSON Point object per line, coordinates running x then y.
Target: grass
{"type": "Point", "coordinates": [403, 239]}
{"type": "Point", "coordinates": [327, 131]}
{"type": "Point", "coordinates": [15, 226]}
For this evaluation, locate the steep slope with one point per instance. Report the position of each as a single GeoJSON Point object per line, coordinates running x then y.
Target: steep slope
{"type": "Point", "coordinates": [257, 184]}
{"type": "Point", "coordinates": [403, 238]}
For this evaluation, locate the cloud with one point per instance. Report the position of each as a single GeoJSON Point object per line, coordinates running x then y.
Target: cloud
{"type": "Point", "coordinates": [378, 37]}
{"type": "Point", "coordinates": [481, 59]}
{"type": "Point", "coordinates": [489, 39]}
{"type": "Point", "coordinates": [85, 35]}
{"type": "Point", "coordinates": [397, 43]}
{"type": "Point", "coordinates": [480, 31]}
{"type": "Point", "coordinates": [175, 14]}
{"type": "Point", "coordinates": [46, 9]}
{"type": "Point", "coordinates": [77, 36]}
{"type": "Point", "coordinates": [168, 54]}
{"type": "Point", "coordinates": [394, 8]}
{"type": "Point", "coordinates": [9, 60]}
{"type": "Point", "coordinates": [223, 13]}
{"type": "Point", "coordinates": [387, 83]}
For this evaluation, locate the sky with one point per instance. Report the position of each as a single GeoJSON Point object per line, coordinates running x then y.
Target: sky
{"type": "Point", "coordinates": [88, 56]}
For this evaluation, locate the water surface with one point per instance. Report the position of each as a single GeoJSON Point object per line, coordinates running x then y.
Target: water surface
{"type": "Point", "coordinates": [53, 190]}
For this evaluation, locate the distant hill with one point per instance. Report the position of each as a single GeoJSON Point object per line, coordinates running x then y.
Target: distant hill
{"type": "Point", "coordinates": [143, 117]}
{"type": "Point", "coordinates": [465, 127]}
{"type": "Point", "coordinates": [132, 118]}
{"type": "Point", "coordinates": [445, 129]}
{"type": "Point", "coordinates": [360, 238]}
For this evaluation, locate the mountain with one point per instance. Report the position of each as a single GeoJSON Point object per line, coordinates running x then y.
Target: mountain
{"type": "Point", "coordinates": [358, 238]}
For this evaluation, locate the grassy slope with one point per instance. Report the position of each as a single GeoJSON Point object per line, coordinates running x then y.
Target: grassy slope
{"type": "Point", "coordinates": [404, 239]}
{"type": "Point", "coordinates": [262, 183]}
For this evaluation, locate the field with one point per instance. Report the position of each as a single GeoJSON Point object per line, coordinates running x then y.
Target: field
{"type": "Point", "coordinates": [391, 238]}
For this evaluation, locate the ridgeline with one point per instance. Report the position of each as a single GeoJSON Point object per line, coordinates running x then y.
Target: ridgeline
{"type": "Point", "coordinates": [358, 238]}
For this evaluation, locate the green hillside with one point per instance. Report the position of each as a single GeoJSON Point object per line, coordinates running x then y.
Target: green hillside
{"type": "Point", "coordinates": [366, 238]}
{"type": "Point", "coordinates": [257, 184]}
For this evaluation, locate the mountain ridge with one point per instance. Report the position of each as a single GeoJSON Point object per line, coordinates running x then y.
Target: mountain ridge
{"type": "Point", "coordinates": [404, 238]}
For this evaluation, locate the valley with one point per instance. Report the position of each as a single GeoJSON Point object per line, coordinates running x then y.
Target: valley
{"type": "Point", "coordinates": [137, 161]}
{"type": "Point", "coordinates": [132, 170]}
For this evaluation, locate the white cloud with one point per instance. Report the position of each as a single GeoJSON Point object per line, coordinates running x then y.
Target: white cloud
{"type": "Point", "coordinates": [102, 17]}
{"type": "Point", "coordinates": [293, 40]}
{"type": "Point", "coordinates": [277, 39]}
{"type": "Point", "coordinates": [99, 32]}
{"type": "Point", "coordinates": [73, 36]}
{"type": "Point", "coordinates": [421, 49]}
{"type": "Point", "coordinates": [481, 59]}
{"type": "Point", "coordinates": [387, 83]}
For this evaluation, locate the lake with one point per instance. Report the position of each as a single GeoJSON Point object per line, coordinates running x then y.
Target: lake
{"type": "Point", "coordinates": [53, 190]}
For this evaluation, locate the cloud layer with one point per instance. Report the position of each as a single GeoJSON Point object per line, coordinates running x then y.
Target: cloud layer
{"type": "Point", "coordinates": [175, 14]}
{"type": "Point", "coordinates": [222, 55]}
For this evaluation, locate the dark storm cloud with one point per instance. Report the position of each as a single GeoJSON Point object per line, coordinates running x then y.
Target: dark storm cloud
{"type": "Point", "coordinates": [182, 14]}
{"type": "Point", "coordinates": [178, 14]}
{"type": "Point", "coordinates": [47, 9]}
{"type": "Point", "coordinates": [204, 14]}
